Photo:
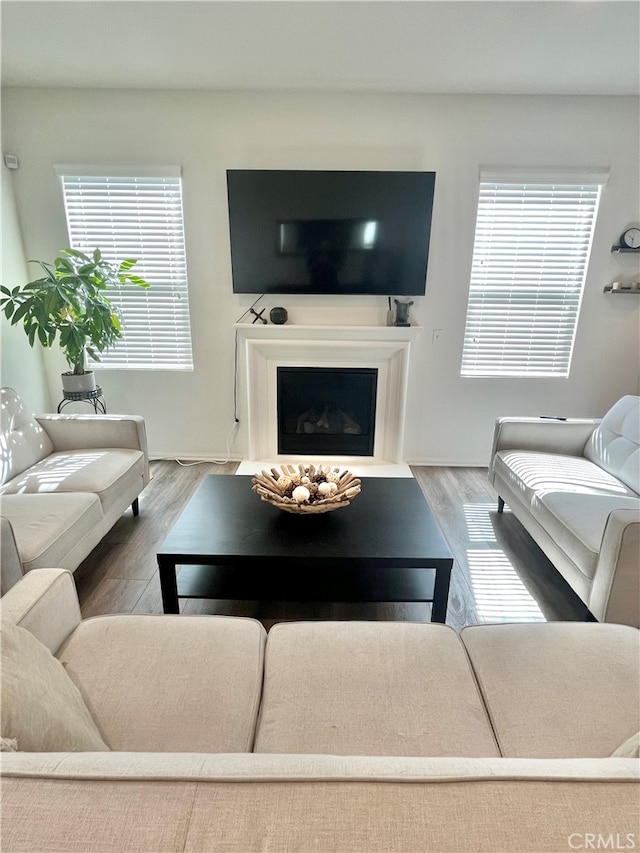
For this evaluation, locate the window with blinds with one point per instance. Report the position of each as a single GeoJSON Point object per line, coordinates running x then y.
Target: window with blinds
{"type": "Point", "coordinates": [531, 251]}
{"type": "Point", "coordinates": [136, 213]}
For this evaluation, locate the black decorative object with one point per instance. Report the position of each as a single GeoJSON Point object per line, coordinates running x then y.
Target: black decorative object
{"type": "Point", "coordinates": [278, 315]}
{"type": "Point", "coordinates": [94, 398]}
{"type": "Point", "coordinates": [402, 313]}
{"type": "Point", "coordinates": [257, 316]}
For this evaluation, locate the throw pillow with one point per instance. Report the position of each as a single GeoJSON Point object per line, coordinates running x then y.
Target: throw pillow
{"type": "Point", "coordinates": [41, 706]}
{"type": "Point", "coordinates": [629, 749]}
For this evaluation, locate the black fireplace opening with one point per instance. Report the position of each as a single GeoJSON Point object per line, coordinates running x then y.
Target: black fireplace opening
{"type": "Point", "coordinates": [326, 410]}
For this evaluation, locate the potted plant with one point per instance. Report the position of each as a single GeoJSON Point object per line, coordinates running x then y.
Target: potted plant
{"type": "Point", "coordinates": [70, 304]}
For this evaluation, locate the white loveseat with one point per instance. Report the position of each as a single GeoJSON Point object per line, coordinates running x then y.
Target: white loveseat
{"type": "Point", "coordinates": [65, 481]}
{"type": "Point", "coordinates": [323, 737]}
{"type": "Point", "coordinates": [574, 485]}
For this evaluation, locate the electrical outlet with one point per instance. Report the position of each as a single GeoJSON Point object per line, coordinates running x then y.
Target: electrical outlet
{"type": "Point", "coordinates": [436, 338]}
{"type": "Point", "coordinates": [11, 161]}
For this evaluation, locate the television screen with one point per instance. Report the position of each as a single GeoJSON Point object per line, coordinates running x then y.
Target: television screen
{"type": "Point", "coordinates": [330, 232]}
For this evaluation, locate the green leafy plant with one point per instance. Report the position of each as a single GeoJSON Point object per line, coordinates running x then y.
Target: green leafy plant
{"type": "Point", "coordinates": [70, 304]}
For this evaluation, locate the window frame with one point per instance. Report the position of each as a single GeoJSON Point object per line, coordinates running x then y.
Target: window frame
{"type": "Point", "coordinates": [141, 216]}
{"type": "Point", "coordinates": [515, 285]}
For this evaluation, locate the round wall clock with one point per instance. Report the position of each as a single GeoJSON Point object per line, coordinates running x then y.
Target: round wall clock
{"type": "Point", "coordinates": [631, 238]}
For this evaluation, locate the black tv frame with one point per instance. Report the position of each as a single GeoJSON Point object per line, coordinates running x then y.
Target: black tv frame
{"type": "Point", "coordinates": [402, 201]}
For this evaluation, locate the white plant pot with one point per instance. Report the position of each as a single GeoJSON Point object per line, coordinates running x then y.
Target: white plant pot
{"type": "Point", "coordinates": [78, 382]}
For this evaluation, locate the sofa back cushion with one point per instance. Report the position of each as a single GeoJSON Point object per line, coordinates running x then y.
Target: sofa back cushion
{"type": "Point", "coordinates": [615, 442]}
{"type": "Point", "coordinates": [23, 442]}
{"type": "Point", "coordinates": [557, 689]}
{"type": "Point", "coordinates": [370, 688]}
{"type": "Point", "coordinates": [169, 683]}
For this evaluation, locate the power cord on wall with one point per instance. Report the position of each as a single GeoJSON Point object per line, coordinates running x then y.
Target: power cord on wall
{"type": "Point", "coordinates": [235, 360]}
{"type": "Point", "coordinates": [236, 419]}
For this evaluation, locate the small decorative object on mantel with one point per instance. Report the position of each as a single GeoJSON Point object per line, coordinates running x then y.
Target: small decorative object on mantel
{"type": "Point", "coordinates": [402, 313]}
{"type": "Point", "coordinates": [278, 315]}
{"type": "Point", "coordinates": [306, 489]}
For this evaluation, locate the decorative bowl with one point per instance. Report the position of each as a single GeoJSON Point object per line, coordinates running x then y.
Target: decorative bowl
{"type": "Point", "coordinates": [306, 489]}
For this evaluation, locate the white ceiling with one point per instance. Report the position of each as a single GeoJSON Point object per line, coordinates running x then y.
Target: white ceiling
{"type": "Point", "coordinates": [434, 46]}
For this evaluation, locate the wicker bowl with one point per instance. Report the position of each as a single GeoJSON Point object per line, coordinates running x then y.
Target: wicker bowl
{"type": "Point", "coordinates": [326, 488]}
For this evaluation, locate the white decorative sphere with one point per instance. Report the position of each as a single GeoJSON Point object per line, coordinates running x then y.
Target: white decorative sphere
{"type": "Point", "coordinates": [301, 494]}
{"type": "Point", "coordinates": [324, 489]}
{"type": "Point", "coordinates": [333, 487]}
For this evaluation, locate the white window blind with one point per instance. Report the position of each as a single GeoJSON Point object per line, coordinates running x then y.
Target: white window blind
{"type": "Point", "coordinates": [531, 251]}
{"type": "Point", "coordinates": [136, 213]}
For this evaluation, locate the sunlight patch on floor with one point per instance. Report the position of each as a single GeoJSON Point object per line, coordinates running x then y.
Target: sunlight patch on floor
{"type": "Point", "coordinates": [478, 521]}
{"type": "Point", "coordinates": [499, 593]}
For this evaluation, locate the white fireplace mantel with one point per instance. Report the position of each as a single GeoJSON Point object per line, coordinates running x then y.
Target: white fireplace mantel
{"type": "Point", "coordinates": [267, 347]}
{"type": "Point", "coordinates": [311, 332]}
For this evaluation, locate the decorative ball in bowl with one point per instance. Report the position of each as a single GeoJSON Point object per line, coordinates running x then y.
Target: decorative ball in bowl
{"type": "Point", "coordinates": [306, 489]}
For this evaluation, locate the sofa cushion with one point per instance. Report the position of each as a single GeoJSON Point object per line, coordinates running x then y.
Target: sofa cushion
{"type": "Point", "coordinates": [615, 443]}
{"type": "Point", "coordinates": [42, 522]}
{"type": "Point", "coordinates": [170, 683]}
{"type": "Point", "coordinates": [370, 688]}
{"type": "Point", "coordinates": [23, 442]}
{"type": "Point", "coordinates": [576, 521]}
{"type": "Point", "coordinates": [101, 471]}
{"type": "Point", "coordinates": [41, 707]}
{"type": "Point", "coordinates": [530, 472]}
{"type": "Point", "coordinates": [558, 690]}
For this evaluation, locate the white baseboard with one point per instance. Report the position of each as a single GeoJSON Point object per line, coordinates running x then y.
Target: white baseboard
{"type": "Point", "coordinates": [448, 463]}
{"type": "Point", "coordinates": [219, 459]}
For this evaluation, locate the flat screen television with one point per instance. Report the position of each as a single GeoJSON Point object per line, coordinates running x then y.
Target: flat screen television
{"type": "Point", "coordinates": [330, 232]}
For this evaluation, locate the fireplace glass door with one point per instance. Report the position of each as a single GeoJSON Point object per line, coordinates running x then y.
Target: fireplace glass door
{"type": "Point", "coordinates": [326, 410]}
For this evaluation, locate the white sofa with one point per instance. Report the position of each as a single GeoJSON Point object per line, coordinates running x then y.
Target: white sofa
{"type": "Point", "coordinates": [574, 485]}
{"type": "Point", "coordinates": [324, 737]}
{"type": "Point", "coordinates": [65, 481]}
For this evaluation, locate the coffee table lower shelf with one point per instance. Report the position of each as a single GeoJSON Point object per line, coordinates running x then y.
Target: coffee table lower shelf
{"type": "Point", "coordinates": [353, 583]}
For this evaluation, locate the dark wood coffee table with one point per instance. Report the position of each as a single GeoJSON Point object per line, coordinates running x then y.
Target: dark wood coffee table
{"type": "Point", "coordinates": [385, 546]}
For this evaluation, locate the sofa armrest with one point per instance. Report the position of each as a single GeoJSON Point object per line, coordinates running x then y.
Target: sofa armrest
{"type": "Point", "coordinates": [11, 563]}
{"type": "Point", "coordinates": [44, 602]}
{"type": "Point", "coordinates": [79, 432]}
{"type": "Point", "coordinates": [543, 434]}
{"type": "Point", "coordinates": [615, 594]}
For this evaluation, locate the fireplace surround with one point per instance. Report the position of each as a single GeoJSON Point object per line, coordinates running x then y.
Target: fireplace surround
{"type": "Point", "coordinates": [374, 349]}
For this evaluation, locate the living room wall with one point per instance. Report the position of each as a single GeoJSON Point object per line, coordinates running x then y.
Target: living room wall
{"type": "Point", "coordinates": [449, 419]}
{"type": "Point", "coordinates": [20, 367]}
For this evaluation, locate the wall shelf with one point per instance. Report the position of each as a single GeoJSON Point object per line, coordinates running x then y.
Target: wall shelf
{"type": "Point", "coordinates": [609, 289]}
{"type": "Point", "coordinates": [622, 249]}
